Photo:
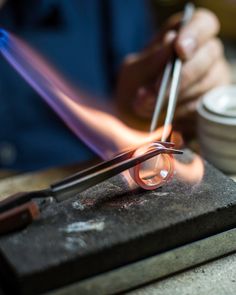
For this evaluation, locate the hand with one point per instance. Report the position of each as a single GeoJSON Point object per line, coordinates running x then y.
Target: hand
{"type": "Point", "coordinates": [204, 67]}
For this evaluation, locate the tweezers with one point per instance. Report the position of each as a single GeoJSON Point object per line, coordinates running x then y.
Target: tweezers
{"type": "Point", "coordinates": [172, 71]}
{"type": "Point", "coordinates": [21, 209]}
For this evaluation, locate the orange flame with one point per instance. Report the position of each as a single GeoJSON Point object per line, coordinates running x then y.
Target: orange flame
{"type": "Point", "coordinates": [101, 131]}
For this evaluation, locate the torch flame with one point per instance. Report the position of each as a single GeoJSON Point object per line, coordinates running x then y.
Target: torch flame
{"type": "Point", "coordinates": [105, 134]}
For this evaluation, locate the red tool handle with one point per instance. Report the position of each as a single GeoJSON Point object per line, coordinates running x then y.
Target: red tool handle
{"type": "Point", "coordinates": [15, 200]}
{"type": "Point", "coordinates": [18, 217]}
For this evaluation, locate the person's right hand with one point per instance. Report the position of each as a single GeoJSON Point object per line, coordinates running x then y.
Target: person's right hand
{"type": "Point", "coordinates": [204, 67]}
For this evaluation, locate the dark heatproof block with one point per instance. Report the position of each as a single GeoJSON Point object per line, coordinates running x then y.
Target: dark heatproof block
{"type": "Point", "coordinates": [107, 226]}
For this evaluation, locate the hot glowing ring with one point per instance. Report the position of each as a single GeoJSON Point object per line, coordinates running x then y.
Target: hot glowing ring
{"type": "Point", "coordinates": [164, 168]}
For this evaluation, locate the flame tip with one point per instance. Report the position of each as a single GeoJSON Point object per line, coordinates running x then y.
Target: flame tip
{"type": "Point", "coordinates": [3, 37]}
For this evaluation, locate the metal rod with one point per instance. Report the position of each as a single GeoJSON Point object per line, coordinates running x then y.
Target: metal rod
{"type": "Point", "coordinates": [172, 69]}
{"type": "Point", "coordinates": [172, 98]}
{"type": "Point", "coordinates": [161, 96]}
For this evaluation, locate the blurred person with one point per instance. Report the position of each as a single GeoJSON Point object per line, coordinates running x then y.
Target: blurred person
{"type": "Point", "coordinates": [111, 49]}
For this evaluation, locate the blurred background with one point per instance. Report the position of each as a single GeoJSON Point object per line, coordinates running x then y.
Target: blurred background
{"type": "Point", "coordinates": [86, 41]}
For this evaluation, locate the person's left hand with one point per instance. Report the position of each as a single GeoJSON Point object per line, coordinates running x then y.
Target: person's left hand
{"type": "Point", "coordinates": [204, 67]}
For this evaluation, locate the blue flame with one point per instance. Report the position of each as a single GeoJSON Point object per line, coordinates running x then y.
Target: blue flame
{"type": "Point", "coordinates": [4, 38]}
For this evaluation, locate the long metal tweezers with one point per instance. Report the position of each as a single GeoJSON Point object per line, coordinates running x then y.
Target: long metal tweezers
{"type": "Point", "coordinates": [171, 77]}
{"type": "Point", "coordinates": [21, 209]}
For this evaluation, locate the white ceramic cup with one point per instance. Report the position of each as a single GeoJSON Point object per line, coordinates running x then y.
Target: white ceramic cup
{"type": "Point", "coordinates": [217, 127]}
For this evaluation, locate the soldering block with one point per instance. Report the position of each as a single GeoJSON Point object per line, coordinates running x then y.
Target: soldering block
{"type": "Point", "coordinates": [108, 226]}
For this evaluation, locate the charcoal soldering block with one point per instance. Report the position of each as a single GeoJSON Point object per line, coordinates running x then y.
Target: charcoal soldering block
{"type": "Point", "coordinates": [108, 226]}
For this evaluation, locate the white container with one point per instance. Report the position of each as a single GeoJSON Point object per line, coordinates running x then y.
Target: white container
{"type": "Point", "coordinates": [217, 127]}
